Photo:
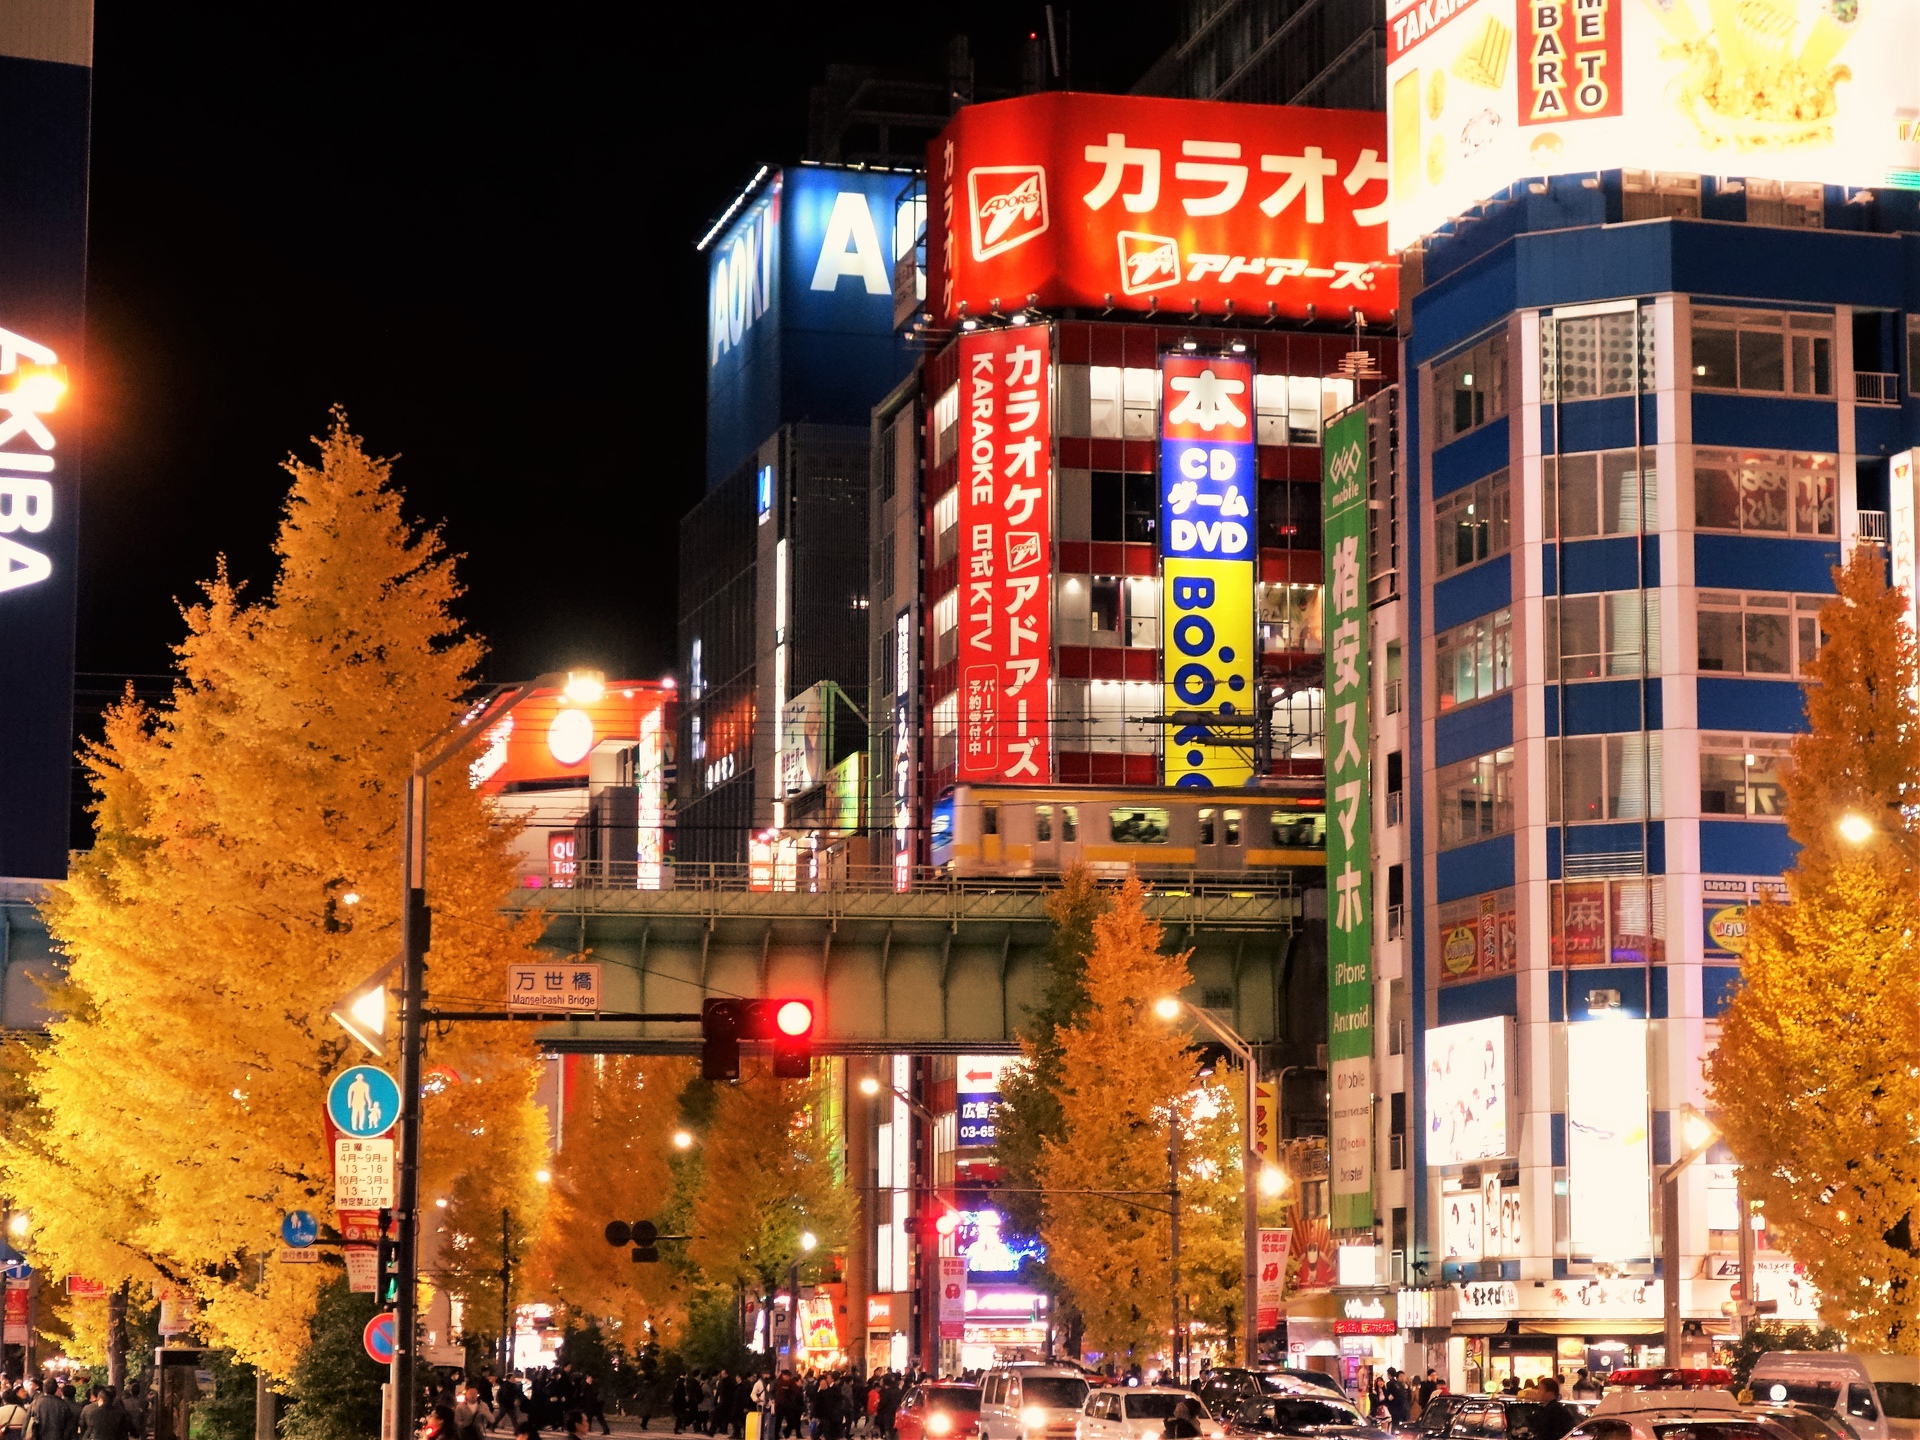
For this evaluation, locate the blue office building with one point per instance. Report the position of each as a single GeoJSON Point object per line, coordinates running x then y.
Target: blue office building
{"type": "Point", "coordinates": [1643, 417]}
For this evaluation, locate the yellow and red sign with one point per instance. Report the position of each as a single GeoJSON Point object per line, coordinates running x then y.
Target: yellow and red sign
{"type": "Point", "coordinates": [550, 734]}
{"type": "Point", "coordinates": [1130, 202]}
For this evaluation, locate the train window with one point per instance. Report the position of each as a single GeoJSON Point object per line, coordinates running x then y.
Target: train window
{"type": "Point", "coordinates": [1206, 827]}
{"type": "Point", "coordinates": [1043, 823]}
{"type": "Point", "coordinates": [989, 819]}
{"type": "Point", "coordinates": [1069, 822]}
{"type": "Point", "coordinates": [1300, 829]}
{"type": "Point", "coordinates": [1141, 825]}
{"type": "Point", "coordinates": [1232, 817]}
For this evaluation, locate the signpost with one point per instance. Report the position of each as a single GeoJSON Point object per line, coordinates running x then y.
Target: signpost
{"type": "Point", "coordinates": [378, 1338]}
{"type": "Point", "coordinates": [363, 1102]}
{"type": "Point", "coordinates": [299, 1229]}
{"type": "Point", "coordinates": [363, 1174]}
{"type": "Point", "coordinates": [564, 986]}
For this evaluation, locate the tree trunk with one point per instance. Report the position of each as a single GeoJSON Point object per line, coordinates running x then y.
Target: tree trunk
{"type": "Point", "coordinates": [117, 1338]}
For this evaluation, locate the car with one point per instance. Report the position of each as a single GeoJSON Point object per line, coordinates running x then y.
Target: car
{"type": "Point", "coordinates": [1809, 1422]}
{"type": "Point", "coordinates": [1878, 1394]}
{"type": "Point", "coordinates": [939, 1412]}
{"type": "Point", "coordinates": [1224, 1387]}
{"type": "Point", "coordinates": [1309, 1412]}
{"type": "Point", "coordinates": [1675, 1415]}
{"type": "Point", "coordinates": [1135, 1412]}
{"type": "Point", "coordinates": [1479, 1415]}
{"type": "Point", "coordinates": [1032, 1402]}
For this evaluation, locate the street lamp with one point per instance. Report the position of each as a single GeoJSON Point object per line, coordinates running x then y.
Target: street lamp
{"type": "Point", "coordinates": [683, 1139]}
{"type": "Point", "coordinates": [1855, 828]}
{"type": "Point", "coordinates": [1699, 1135]}
{"type": "Point", "coordinates": [870, 1087]}
{"type": "Point", "coordinates": [1169, 1007]}
{"type": "Point", "coordinates": [1273, 1181]}
{"type": "Point", "coordinates": [415, 939]}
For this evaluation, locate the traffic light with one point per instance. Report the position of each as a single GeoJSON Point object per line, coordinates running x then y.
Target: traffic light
{"type": "Point", "coordinates": [787, 1023]}
{"type": "Point", "coordinates": [644, 1235]}
{"type": "Point", "coordinates": [386, 1267]}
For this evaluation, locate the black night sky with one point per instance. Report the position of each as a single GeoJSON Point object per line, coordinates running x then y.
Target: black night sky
{"type": "Point", "coordinates": [478, 237]}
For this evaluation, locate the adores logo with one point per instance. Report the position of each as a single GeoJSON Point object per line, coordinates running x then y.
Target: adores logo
{"type": "Point", "coordinates": [1009, 204]}
{"type": "Point", "coordinates": [1148, 262]}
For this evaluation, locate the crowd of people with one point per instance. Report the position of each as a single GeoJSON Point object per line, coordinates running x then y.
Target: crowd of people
{"type": "Point", "coordinates": [820, 1405]}
{"type": "Point", "coordinates": [1399, 1399]}
{"type": "Point", "coordinates": [524, 1405]}
{"type": "Point", "coordinates": [30, 1410]}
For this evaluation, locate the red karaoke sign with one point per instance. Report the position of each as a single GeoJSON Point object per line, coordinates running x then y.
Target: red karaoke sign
{"type": "Point", "coordinates": [1135, 203]}
{"type": "Point", "coordinates": [1006, 544]}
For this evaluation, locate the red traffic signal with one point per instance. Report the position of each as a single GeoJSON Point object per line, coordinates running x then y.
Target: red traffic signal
{"type": "Point", "coordinates": [788, 1023]}
{"type": "Point", "coordinates": [946, 1222]}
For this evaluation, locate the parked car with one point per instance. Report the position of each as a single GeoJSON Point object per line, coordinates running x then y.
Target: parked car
{"type": "Point", "coordinates": [1481, 1415]}
{"type": "Point", "coordinates": [1309, 1413]}
{"type": "Point", "coordinates": [1675, 1415]}
{"type": "Point", "coordinates": [1224, 1387]}
{"type": "Point", "coordinates": [1121, 1412]}
{"type": "Point", "coordinates": [1878, 1394]}
{"type": "Point", "coordinates": [939, 1412]}
{"type": "Point", "coordinates": [1032, 1402]}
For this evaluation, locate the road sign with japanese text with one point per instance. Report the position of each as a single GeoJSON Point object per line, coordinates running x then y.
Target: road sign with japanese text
{"type": "Point", "coordinates": [1128, 202]}
{"type": "Point", "coordinates": [363, 1174]}
{"type": "Point", "coordinates": [1349, 830]}
{"type": "Point", "coordinates": [559, 986]}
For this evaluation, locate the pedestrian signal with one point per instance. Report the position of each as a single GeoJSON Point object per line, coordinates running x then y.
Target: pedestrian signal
{"type": "Point", "coordinates": [387, 1260]}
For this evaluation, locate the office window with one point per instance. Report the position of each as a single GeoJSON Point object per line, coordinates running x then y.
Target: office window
{"type": "Point", "coordinates": [1471, 389]}
{"type": "Point", "coordinates": [1763, 633]}
{"type": "Point", "coordinates": [946, 424]}
{"type": "Point", "coordinates": [946, 628]}
{"type": "Point", "coordinates": [1473, 524]}
{"type": "Point", "coordinates": [1765, 492]}
{"type": "Point", "coordinates": [1143, 610]}
{"type": "Point", "coordinates": [1290, 514]}
{"type": "Point", "coordinates": [1607, 922]}
{"type": "Point", "coordinates": [1744, 775]}
{"type": "Point", "coordinates": [1601, 492]}
{"type": "Point", "coordinates": [1289, 617]}
{"type": "Point", "coordinates": [1122, 404]}
{"type": "Point", "coordinates": [1603, 777]}
{"type": "Point", "coordinates": [1475, 798]}
{"type": "Point", "coordinates": [1103, 608]}
{"type": "Point", "coordinates": [1762, 352]}
{"type": "Point", "coordinates": [1474, 660]}
{"type": "Point", "coordinates": [1124, 507]}
{"type": "Point", "coordinates": [1595, 637]}
{"type": "Point", "coordinates": [1583, 357]}
{"type": "Point", "coordinates": [946, 526]}
{"type": "Point", "coordinates": [1137, 825]}
{"type": "Point", "coordinates": [946, 732]}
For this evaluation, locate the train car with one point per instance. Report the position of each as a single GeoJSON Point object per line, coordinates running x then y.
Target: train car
{"type": "Point", "coordinates": [1011, 830]}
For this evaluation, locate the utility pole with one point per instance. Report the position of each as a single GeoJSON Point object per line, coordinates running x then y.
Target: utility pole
{"type": "Point", "coordinates": [506, 1292]}
{"type": "Point", "coordinates": [1173, 1210]}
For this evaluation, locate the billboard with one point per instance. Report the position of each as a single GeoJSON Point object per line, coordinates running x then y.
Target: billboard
{"type": "Point", "coordinates": [1207, 492]}
{"type": "Point", "coordinates": [1006, 549]}
{"type": "Point", "coordinates": [903, 749]}
{"type": "Point", "coordinates": [800, 305]}
{"type": "Point", "coordinates": [1469, 1090]}
{"type": "Point", "coordinates": [550, 735]}
{"type": "Point", "coordinates": [1343, 455]}
{"type": "Point", "coordinates": [1484, 93]}
{"type": "Point", "coordinates": [1609, 1165]}
{"type": "Point", "coordinates": [46, 81]}
{"type": "Point", "coordinates": [1130, 202]}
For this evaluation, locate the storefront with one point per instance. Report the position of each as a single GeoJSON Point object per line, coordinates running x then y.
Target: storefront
{"type": "Point", "coordinates": [889, 1322]}
{"type": "Point", "coordinates": [1003, 1322]}
{"type": "Point", "coordinates": [1525, 1330]}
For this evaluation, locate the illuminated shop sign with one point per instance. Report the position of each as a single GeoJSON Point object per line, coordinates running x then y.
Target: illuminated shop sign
{"type": "Point", "coordinates": [1131, 203]}
{"type": "Point", "coordinates": [1468, 1098]}
{"type": "Point", "coordinates": [1207, 489]}
{"type": "Point", "coordinates": [1006, 545]}
{"type": "Point", "coordinates": [26, 458]}
{"type": "Point", "coordinates": [1482, 94]}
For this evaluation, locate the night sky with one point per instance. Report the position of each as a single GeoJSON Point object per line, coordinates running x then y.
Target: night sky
{"type": "Point", "coordinates": [478, 237]}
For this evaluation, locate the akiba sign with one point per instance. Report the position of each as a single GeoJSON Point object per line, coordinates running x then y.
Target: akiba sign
{"type": "Point", "coordinates": [1136, 203]}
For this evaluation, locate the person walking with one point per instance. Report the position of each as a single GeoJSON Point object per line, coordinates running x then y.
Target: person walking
{"type": "Point", "coordinates": [591, 1405]}
{"type": "Point", "coordinates": [13, 1415]}
{"type": "Point", "coordinates": [1554, 1418]}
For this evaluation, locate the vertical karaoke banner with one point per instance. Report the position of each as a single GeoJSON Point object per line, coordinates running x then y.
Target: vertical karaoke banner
{"type": "Point", "coordinates": [1349, 811]}
{"type": "Point", "coordinates": [1006, 555]}
{"type": "Point", "coordinates": [1207, 489]}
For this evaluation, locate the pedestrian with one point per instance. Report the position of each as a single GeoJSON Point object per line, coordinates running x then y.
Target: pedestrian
{"type": "Point", "coordinates": [1399, 1399]}
{"type": "Point", "coordinates": [1428, 1385]}
{"type": "Point", "coordinates": [472, 1417]}
{"type": "Point", "coordinates": [1585, 1386]}
{"type": "Point", "coordinates": [48, 1417]}
{"type": "Point", "coordinates": [506, 1406]}
{"type": "Point", "coordinates": [677, 1402]}
{"type": "Point", "coordinates": [591, 1405]}
{"type": "Point", "coordinates": [1554, 1418]}
{"type": "Point", "coordinates": [105, 1419]}
{"type": "Point", "coordinates": [578, 1425]}
{"type": "Point", "coordinates": [1183, 1424]}
{"type": "Point", "coordinates": [13, 1415]}
{"type": "Point", "coordinates": [440, 1425]}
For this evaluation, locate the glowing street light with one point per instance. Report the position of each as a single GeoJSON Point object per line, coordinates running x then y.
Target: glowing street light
{"type": "Point", "coordinates": [363, 1013]}
{"type": "Point", "coordinates": [683, 1139]}
{"type": "Point", "coordinates": [808, 1240]}
{"type": "Point", "coordinates": [1855, 828]}
{"type": "Point", "coordinates": [1273, 1181]}
{"type": "Point", "coordinates": [585, 687]}
{"type": "Point", "coordinates": [545, 1177]}
{"type": "Point", "coordinates": [1167, 1008]}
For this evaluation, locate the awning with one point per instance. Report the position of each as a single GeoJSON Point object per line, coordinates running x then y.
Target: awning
{"type": "Point", "coordinates": [1591, 1329]}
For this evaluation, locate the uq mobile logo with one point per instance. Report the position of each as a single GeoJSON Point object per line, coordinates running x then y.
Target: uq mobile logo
{"type": "Point", "coordinates": [1343, 470]}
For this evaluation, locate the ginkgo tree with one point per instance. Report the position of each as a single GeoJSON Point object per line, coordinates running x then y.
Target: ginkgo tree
{"type": "Point", "coordinates": [1815, 1078]}
{"type": "Point", "coordinates": [244, 877]}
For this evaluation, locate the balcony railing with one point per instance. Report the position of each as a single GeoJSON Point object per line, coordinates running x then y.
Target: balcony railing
{"type": "Point", "coordinates": [1872, 387]}
{"type": "Point", "coordinates": [1870, 525]}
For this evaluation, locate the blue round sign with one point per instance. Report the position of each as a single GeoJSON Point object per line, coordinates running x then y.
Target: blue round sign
{"type": "Point", "coordinates": [18, 1270]}
{"type": "Point", "coordinates": [378, 1337]}
{"type": "Point", "coordinates": [363, 1102]}
{"type": "Point", "coordinates": [299, 1229]}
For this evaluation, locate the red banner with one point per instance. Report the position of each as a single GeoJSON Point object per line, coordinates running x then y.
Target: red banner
{"type": "Point", "coordinates": [1006, 548]}
{"type": "Point", "coordinates": [1569, 61]}
{"type": "Point", "coordinates": [1135, 203]}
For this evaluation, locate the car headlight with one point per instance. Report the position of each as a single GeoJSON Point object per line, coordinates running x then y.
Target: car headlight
{"type": "Point", "coordinates": [939, 1424]}
{"type": "Point", "coordinates": [1033, 1417]}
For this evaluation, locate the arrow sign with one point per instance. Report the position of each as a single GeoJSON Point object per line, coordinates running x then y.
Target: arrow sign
{"type": "Point", "coordinates": [299, 1229]}
{"type": "Point", "coordinates": [378, 1338]}
{"type": "Point", "coordinates": [363, 1102]}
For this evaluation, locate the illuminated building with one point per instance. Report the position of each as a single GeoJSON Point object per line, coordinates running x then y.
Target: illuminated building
{"type": "Point", "coordinates": [1648, 405]}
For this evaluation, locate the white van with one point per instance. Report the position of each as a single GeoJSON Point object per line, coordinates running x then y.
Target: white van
{"type": "Point", "coordinates": [1032, 1402]}
{"type": "Point", "coordinates": [1878, 1394]}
